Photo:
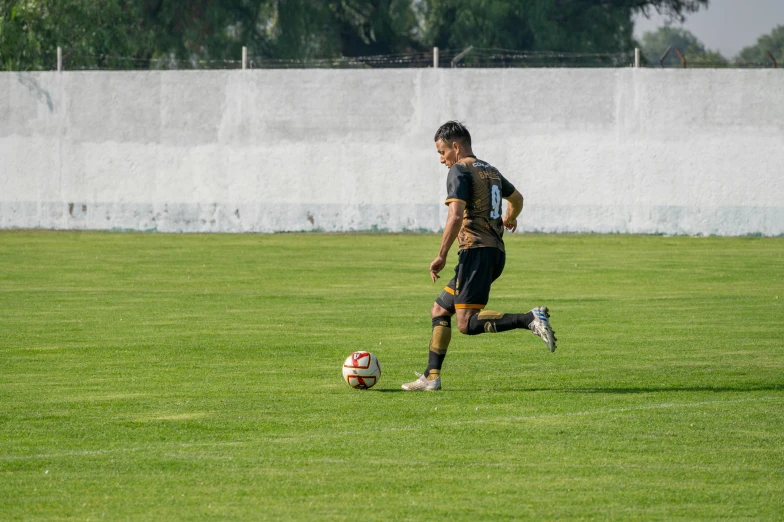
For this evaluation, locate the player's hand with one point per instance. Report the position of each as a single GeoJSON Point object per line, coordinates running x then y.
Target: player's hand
{"type": "Point", "coordinates": [510, 224]}
{"type": "Point", "coordinates": [436, 266]}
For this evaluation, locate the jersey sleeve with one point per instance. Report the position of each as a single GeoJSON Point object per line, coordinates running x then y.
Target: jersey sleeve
{"type": "Point", "coordinates": [458, 184]}
{"type": "Point", "coordinates": [507, 189]}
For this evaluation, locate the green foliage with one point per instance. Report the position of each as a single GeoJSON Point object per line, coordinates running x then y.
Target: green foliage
{"type": "Point", "coordinates": [374, 27]}
{"type": "Point", "coordinates": [197, 30]}
{"type": "Point", "coordinates": [655, 43]}
{"type": "Point", "coordinates": [117, 33]}
{"type": "Point", "coordinates": [197, 377]}
{"type": "Point", "coordinates": [675, 10]}
{"type": "Point", "coordinates": [301, 29]}
{"type": "Point", "coordinates": [93, 32]}
{"type": "Point", "coordinates": [31, 31]}
{"type": "Point", "coordinates": [755, 54]}
{"type": "Point", "coordinates": [126, 34]}
{"type": "Point", "coordinates": [526, 25]}
{"type": "Point", "coordinates": [543, 25]}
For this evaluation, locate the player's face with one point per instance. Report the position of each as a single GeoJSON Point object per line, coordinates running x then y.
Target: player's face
{"type": "Point", "coordinates": [446, 153]}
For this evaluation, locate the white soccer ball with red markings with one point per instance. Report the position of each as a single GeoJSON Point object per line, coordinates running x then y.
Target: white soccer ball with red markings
{"type": "Point", "coordinates": [361, 370]}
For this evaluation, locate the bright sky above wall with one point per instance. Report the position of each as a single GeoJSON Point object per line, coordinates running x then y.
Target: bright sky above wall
{"type": "Point", "coordinates": [726, 26]}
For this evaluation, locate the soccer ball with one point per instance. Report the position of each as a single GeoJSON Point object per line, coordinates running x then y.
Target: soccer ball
{"type": "Point", "coordinates": [361, 370]}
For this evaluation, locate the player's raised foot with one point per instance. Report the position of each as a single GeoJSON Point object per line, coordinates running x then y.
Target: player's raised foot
{"type": "Point", "coordinates": [540, 327]}
{"type": "Point", "coordinates": [422, 384]}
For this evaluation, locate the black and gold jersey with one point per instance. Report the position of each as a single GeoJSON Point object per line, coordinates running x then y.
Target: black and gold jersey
{"type": "Point", "coordinates": [482, 188]}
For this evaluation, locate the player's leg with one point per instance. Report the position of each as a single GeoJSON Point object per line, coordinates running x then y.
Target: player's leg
{"type": "Point", "coordinates": [439, 340]}
{"type": "Point", "coordinates": [481, 267]}
{"type": "Point", "coordinates": [473, 321]}
{"type": "Point", "coordinates": [441, 316]}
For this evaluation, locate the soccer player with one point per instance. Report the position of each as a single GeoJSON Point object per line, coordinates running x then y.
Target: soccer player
{"type": "Point", "coordinates": [474, 193]}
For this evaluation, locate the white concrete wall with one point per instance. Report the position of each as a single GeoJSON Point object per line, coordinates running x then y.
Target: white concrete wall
{"type": "Point", "coordinates": [592, 150]}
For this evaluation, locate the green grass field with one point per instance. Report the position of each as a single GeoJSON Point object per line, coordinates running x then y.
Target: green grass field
{"type": "Point", "coordinates": [184, 377]}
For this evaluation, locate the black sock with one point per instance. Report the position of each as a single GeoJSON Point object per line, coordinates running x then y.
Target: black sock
{"type": "Point", "coordinates": [492, 322]}
{"type": "Point", "coordinates": [439, 342]}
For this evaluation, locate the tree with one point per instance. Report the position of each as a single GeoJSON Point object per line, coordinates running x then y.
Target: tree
{"type": "Point", "coordinates": [31, 31]}
{"type": "Point", "coordinates": [151, 33]}
{"type": "Point", "coordinates": [587, 26]}
{"type": "Point", "coordinates": [755, 54]}
{"type": "Point", "coordinates": [676, 10]}
{"type": "Point", "coordinates": [317, 29]}
{"type": "Point", "coordinates": [654, 44]}
{"type": "Point", "coordinates": [192, 30]}
{"type": "Point", "coordinates": [123, 33]}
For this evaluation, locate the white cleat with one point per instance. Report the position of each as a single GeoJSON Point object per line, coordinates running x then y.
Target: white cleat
{"type": "Point", "coordinates": [422, 384]}
{"type": "Point", "coordinates": [540, 327]}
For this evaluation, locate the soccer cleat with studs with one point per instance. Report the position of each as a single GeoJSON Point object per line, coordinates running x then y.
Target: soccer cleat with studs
{"type": "Point", "coordinates": [540, 327]}
{"type": "Point", "coordinates": [422, 384]}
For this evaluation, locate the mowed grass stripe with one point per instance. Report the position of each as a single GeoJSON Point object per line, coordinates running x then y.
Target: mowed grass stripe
{"type": "Point", "coordinates": [374, 431]}
{"type": "Point", "coordinates": [151, 376]}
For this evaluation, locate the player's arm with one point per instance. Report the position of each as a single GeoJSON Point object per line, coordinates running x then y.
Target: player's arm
{"type": "Point", "coordinates": [453, 223]}
{"type": "Point", "coordinates": [513, 210]}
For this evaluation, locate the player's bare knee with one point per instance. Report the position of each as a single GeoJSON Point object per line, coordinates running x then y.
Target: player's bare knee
{"type": "Point", "coordinates": [462, 324]}
{"type": "Point", "coordinates": [439, 311]}
{"type": "Point", "coordinates": [463, 318]}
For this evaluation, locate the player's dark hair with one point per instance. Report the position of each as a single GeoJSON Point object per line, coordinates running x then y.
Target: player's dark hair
{"type": "Point", "coordinates": [453, 131]}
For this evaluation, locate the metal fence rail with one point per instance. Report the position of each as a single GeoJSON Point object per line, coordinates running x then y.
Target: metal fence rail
{"type": "Point", "coordinates": [469, 57]}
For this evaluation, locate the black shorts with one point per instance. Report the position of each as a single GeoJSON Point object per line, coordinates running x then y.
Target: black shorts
{"type": "Point", "coordinates": [476, 270]}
